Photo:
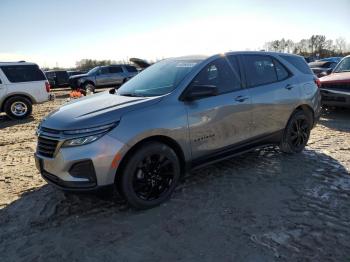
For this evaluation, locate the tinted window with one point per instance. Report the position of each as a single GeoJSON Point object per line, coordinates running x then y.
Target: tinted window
{"type": "Point", "coordinates": [260, 70]}
{"type": "Point", "coordinates": [115, 69]}
{"type": "Point", "coordinates": [104, 70]}
{"type": "Point", "coordinates": [23, 73]}
{"type": "Point", "coordinates": [299, 63]}
{"type": "Point", "coordinates": [131, 69]}
{"type": "Point", "coordinates": [281, 71]}
{"type": "Point", "coordinates": [219, 74]}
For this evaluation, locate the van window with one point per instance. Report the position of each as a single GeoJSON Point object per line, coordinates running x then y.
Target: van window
{"type": "Point", "coordinates": [23, 73]}
{"type": "Point", "coordinates": [259, 69]}
{"type": "Point", "coordinates": [219, 74]}
{"type": "Point", "coordinates": [115, 69]}
{"type": "Point", "coordinates": [299, 63]}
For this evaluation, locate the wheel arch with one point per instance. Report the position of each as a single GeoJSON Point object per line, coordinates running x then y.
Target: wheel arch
{"type": "Point", "coordinates": [156, 138]}
{"type": "Point", "coordinates": [308, 111]}
{"type": "Point", "coordinates": [31, 99]}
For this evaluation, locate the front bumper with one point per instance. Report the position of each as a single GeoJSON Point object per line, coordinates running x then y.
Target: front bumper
{"type": "Point", "coordinates": [335, 98]}
{"type": "Point", "coordinates": [58, 170]}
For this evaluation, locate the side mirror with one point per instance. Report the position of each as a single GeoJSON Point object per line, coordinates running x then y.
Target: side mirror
{"type": "Point", "coordinates": [112, 91]}
{"type": "Point", "coordinates": [194, 92]}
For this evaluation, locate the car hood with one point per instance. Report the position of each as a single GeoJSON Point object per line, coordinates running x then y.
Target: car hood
{"type": "Point", "coordinates": [78, 76]}
{"type": "Point", "coordinates": [95, 110]}
{"type": "Point", "coordinates": [336, 78]}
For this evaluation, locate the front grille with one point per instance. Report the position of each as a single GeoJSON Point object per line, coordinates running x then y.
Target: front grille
{"type": "Point", "coordinates": [334, 98]}
{"type": "Point", "coordinates": [340, 87]}
{"type": "Point", "coordinates": [46, 147]}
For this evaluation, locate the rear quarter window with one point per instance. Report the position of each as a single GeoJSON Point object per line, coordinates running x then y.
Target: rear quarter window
{"type": "Point", "coordinates": [23, 73]}
{"type": "Point", "coordinates": [299, 63]}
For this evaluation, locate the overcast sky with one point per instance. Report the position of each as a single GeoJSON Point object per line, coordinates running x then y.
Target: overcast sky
{"type": "Point", "coordinates": [62, 32]}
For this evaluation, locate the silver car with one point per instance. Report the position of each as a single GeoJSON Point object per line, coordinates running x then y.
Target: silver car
{"type": "Point", "coordinates": [177, 115]}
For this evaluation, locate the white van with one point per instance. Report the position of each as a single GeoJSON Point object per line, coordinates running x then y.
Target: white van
{"type": "Point", "coordinates": [22, 85]}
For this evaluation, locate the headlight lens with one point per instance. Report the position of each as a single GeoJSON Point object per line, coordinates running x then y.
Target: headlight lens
{"type": "Point", "coordinates": [81, 140]}
{"type": "Point", "coordinates": [87, 135]}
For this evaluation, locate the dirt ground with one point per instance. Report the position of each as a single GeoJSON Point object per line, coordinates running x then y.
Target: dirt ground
{"type": "Point", "coordinates": [261, 206]}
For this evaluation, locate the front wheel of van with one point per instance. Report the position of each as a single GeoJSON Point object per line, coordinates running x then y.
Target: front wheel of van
{"type": "Point", "coordinates": [150, 175]}
{"type": "Point", "coordinates": [296, 134]}
{"type": "Point", "coordinates": [18, 107]}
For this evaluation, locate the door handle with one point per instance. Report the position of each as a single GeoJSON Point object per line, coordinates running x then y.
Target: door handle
{"type": "Point", "coordinates": [241, 98]}
{"type": "Point", "coordinates": [289, 87]}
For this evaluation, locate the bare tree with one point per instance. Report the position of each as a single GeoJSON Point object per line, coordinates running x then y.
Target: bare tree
{"type": "Point", "coordinates": [340, 44]}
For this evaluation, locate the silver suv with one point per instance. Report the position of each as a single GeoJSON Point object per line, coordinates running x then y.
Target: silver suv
{"type": "Point", "coordinates": [177, 115]}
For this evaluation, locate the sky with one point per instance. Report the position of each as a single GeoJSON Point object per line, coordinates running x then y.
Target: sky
{"type": "Point", "coordinates": [59, 33]}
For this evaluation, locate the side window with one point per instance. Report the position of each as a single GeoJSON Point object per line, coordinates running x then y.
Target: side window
{"type": "Point", "coordinates": [115, 69]}
{"type": "Point", "coordinates": [23, 73]}
{"type": "Point", "coordinates": [299, 63]}
{"type": "Point", "coordinates": [219, 74]}
{"type": "Point", "coordinates": [104, 70]}
{"type": "Point", "coordinates": [281, 71]}
{"type": "Point", "coordinates": [260, 70]}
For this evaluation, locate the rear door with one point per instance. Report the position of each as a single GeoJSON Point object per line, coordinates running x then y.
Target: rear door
{"type": "Point", "coordinates": [274, 92]}
{"type": "Point", "coordinates": [217, 122]}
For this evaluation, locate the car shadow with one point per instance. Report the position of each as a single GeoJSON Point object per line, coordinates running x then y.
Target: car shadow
{"type": "Point", "coordinates": [237, 201]}
{"type": "Point", "coordinates": [5, 121]}
{"type": "Point", "coordinates": [336, 118]}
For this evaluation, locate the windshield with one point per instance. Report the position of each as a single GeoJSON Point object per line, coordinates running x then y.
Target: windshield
{"type": "Point", "coordinates": [93, 71]}
{"type": "Point", "coordinates": [158, 79]}
{"type": "Point", "coordinates": [343, 66]}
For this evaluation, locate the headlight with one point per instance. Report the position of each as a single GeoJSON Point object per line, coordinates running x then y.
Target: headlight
{"type": "Point", "coordinates": [81, 140]}
{"type": "Point", "coordinates": [86, 135]}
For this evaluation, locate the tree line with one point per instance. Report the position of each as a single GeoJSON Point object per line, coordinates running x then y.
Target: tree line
{"type": "Point", "coordinates": [315, 46]}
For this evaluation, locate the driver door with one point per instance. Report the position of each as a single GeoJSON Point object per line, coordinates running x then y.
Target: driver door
{"type": "Point", "coordinates": [218, 122]}
{"type": "Point", "coordinates": [103, 76]}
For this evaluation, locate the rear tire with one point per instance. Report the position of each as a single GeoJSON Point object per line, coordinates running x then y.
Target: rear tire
{"type": "Point", "coordinates": [18, 107]}
{"type": "Point", "coordinates": [150, 175]}
{"type": "Point", "coordinates": [296, 133]}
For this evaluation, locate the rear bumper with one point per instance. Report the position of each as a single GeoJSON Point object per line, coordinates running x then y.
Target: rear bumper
{"type": "Point", "coordinates": [335, 98]}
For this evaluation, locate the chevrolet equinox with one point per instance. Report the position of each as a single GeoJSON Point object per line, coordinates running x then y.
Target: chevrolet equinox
{"type": "Point", "coordinates": [177, 115]}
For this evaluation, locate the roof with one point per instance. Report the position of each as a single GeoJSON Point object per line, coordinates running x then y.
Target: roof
{"type": "Point", "coordinates": [16, 63]}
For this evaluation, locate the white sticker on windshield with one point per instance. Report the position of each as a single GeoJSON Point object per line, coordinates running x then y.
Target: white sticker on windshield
{"type": "Point", "coordinates": [185, 65]}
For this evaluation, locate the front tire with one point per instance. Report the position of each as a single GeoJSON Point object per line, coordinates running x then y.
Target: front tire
{"type": "Point", "coordinates": [296, 134]}
{"type": "Point", "coordinates": [18, 107]}
{"type": "Point", "coordinates": [89, 88]}
{"type": "Point", "coordinates": [150, 175]}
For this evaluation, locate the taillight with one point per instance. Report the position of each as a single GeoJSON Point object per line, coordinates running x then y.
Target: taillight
{"type": "Point", "coordinates": [48, 87]}
{"type": "Point", "coordinates": [318, 82]}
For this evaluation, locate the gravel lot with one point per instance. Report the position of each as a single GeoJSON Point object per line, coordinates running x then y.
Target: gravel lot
{"type": "Point", "coordinates": [261, 206]}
